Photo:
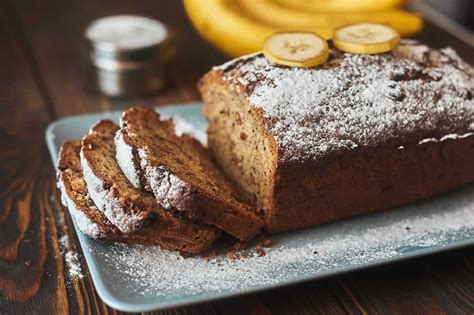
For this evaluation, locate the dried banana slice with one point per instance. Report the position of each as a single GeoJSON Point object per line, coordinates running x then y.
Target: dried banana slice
{"type": "Point", "coordinates": [296, 49]}
{"type": "Point", "coordinates": [366, 38]}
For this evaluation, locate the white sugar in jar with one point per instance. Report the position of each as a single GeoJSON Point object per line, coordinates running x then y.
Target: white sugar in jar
{"type": "Point", "coordinates": [129, 54]}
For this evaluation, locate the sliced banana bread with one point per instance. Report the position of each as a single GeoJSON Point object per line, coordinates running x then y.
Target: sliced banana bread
{"type": "Point", "coordinates": [180, 173]}
{"type": "Point", "coordinates": [166, 231]}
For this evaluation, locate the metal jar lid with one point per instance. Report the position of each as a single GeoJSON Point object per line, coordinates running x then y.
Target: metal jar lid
{"type": "Point", "coordinates": [129, 54]}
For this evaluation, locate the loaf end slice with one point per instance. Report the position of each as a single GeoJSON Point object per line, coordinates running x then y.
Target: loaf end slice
{"type": "Point", "coordinates": [181, 174]}
{"type": "Point", "coordinates": [168, 232]}
{"type": "Point", "coordinates": [75, 197]}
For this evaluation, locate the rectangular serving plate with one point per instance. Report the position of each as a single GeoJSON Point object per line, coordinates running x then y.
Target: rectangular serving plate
{"type": "Point", "coordinates": [424, 228]}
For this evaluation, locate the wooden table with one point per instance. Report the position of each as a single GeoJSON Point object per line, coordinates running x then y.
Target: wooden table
{"type": "Point", "coordinates": [42, 78]}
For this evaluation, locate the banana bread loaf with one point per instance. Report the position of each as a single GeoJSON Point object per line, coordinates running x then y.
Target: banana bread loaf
{"type": "Point", "coordinates": [168, 232]}
{"type": "Point", "coordinates": [358, 134]}
{"type": "Point", "coordinates": [180, 173]}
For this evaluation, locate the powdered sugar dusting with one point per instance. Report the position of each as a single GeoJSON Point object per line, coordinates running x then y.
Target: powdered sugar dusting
{"type": "Point", "coordinates": [452, 136]}
{"type": "Point", "coordinates": [124, 156]}
{"type": "Point", "coordinates": [148, 271]}
{"type": "Point", "coordinates": [85, 224]}
{"type": "Point", "coordinates": [169, 190]}
{"type": "Point", "coordinates": [356, 101]}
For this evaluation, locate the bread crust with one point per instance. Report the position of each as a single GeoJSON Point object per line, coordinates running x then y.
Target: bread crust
{"type": "Point", "coordinates": [312, 194]}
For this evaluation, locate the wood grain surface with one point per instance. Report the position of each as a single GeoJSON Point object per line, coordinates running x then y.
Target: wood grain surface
{"type": "Point", "coordinates": [43, 76]}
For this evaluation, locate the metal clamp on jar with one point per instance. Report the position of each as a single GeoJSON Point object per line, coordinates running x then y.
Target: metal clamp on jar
{"type": "Point", "coordinates": [129, 54]}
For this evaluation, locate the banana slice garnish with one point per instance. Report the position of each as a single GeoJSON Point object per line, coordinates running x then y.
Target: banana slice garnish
{"type": "Point", "coordinates": [296, 49]}
{"type": "Point", "coordinates": [366, 38]}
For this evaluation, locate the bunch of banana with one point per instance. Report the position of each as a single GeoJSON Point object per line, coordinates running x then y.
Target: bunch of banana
{"type": "Point", "coordinates": [239, 27]}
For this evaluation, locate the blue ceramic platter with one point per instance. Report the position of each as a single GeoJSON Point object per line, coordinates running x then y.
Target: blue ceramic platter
{"type": "Point", "coordinates": [146, 278]}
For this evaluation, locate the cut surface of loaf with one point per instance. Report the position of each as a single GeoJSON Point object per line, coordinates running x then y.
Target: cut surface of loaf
{"type": "Point", "coordinates": [180, 173]}
{"type": "Point", "coordinates": [167, 231]}
{"type": "Point", "coordinates": [357, 134]}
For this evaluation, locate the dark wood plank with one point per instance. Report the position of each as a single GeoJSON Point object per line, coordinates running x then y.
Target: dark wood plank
{"type": "Point", "coordinates": [23, 238]}
{"type": "Point", "coordinates": [33, 279]}
{"type": "Point", "coordinates": [437, 284]}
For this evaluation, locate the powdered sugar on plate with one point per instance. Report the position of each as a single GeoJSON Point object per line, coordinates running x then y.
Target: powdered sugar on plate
{"type": "Point", "coordinates": [148, 271]}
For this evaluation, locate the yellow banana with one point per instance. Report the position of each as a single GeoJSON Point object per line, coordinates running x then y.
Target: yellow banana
{"type": "Point", "coordinates": [271, 13]}
{"type": "Point", "coordinates": [239, 27]}
{"type": "Point", "coordinates": [227, 29]}
{"type": "Point", "coordinates": [341, 5]}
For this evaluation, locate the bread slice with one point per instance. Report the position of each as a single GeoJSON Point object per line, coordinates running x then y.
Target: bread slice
{"type": "Point", "coordinates": [180, 173]}
{"type": "Point", "coordinates": [75, 197]}
{"type": "Point", "coordinates": [168, 232]}
{"type": "Point", "coordinates": [127, 208]}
